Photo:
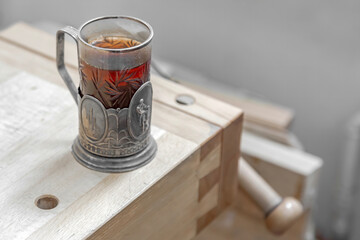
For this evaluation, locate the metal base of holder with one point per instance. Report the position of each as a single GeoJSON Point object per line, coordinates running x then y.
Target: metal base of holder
{"type": "Point", "coordinates": [114, 165]}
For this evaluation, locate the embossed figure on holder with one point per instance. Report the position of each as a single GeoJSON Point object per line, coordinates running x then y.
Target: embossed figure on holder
{"type": "Point", "coordinates": [143, 111]}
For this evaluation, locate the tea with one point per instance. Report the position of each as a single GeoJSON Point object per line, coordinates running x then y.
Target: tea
{"type": "Point", "coordinates": [114, 42]}
{"type": "Point", "coordinates": [114, 88]}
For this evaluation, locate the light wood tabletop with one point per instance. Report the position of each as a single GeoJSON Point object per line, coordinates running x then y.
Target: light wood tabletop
{"type": "Point", "coordinates": [192, 179]}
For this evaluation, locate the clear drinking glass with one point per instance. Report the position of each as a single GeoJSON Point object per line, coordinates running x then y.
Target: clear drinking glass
{"type": "Point", "coordinates": [114, 54]}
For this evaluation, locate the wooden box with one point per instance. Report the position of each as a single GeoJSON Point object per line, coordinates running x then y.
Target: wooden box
{"type": "Point", "coordinates": [190, 182]}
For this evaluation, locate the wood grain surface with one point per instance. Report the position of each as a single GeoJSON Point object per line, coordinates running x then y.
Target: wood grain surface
{"type": "Point", "coordinates": [193, 141]}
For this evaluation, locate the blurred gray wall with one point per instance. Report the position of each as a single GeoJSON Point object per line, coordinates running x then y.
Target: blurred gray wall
{"type": "Point", "coordinates": [300, 54]}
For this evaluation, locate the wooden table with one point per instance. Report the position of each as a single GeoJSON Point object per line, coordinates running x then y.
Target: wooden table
{"type": "Point", "coordinates": [190, 182]}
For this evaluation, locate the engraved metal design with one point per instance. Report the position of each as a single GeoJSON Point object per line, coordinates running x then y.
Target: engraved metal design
{"type": "Point", "coordinates": [116, 132]}
{"type": "Point", "coordinates": [114, 165]}
{"type": "Point", "coordinates": [93, 119]}
{"type": "Point", "coordinates": [115, 140]}
{"type": "Point", "coordinates": [139, 120]}
{"type": "Point", "coordinates": [143, 111]}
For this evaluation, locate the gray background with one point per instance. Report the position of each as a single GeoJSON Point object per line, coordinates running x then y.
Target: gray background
{"type": "Point", "coordinates": [299, 54]}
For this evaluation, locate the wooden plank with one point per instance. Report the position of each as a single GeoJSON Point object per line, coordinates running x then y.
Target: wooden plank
{"type": "Point", "coordinates": [230, 155]}
{"type": "Point", "coordinates": [206, 108]}
{"type": "Point", "coordinates": [199, 131]}
{"type": "Point", "coordinates": [263, 113]}
{"type": "Point", "coordinates": [281, 136]}
{"type": "Point", "coordinates": [7, 72]}
{"type": "Point", "coordinates": [41, 106]}
{"type": "Point", "coordinates": [41, 46]}
{"type": "Point", "coordinates": [173, 196]}
{"type": "Point", "coordinates": [257, 112]}
{"type": "Point", "coordinates": [29, 62]}
{"type": "Point", "coordinates": [289, 158]}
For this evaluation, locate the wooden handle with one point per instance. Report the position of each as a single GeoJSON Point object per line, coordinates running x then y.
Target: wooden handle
{"type": "Point", "coordinates": [280, 213]}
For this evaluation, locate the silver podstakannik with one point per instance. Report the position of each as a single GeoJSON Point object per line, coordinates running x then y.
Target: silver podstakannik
{"type": "Point", "coordinates": [115, 140]}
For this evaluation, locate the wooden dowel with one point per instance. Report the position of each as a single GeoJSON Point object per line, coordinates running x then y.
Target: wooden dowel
{"type": "Point", "coordinates": [280, 213]}
{"type": "Point", "coordinates": [260, 191]}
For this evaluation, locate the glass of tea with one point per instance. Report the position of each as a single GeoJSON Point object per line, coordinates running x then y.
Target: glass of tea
{"type": "Point", "coordinates": [115, 95]}
{"type": "Point", "coordinates": [114, 59]}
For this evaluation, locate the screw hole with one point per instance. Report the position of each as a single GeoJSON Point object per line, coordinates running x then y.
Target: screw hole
{"type": "Point", "coordinates": [46, 202]}
{"type": "Point", "coordinates": [185, 99]}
